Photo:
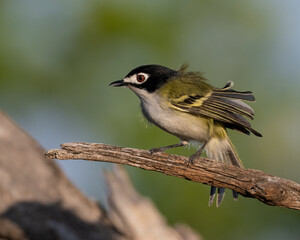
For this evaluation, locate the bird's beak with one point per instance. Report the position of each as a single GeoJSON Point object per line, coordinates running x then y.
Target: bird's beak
{"type": "Point", "coordinates": [118, 83]}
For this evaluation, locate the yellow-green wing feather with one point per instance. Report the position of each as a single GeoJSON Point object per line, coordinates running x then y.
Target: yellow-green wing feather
{"type": "Point", "coordinates": [191, 93]}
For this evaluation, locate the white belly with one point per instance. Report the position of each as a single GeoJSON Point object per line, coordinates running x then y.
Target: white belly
{"type": "Point", "coordinates": [180, 124]}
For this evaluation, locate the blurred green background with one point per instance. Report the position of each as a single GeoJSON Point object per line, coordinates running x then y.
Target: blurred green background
{"type": "Point", "coordinates": [58, 57]}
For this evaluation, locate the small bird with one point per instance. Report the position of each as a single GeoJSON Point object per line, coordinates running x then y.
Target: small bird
{"type": "Point", "coordinates": [184, 104]}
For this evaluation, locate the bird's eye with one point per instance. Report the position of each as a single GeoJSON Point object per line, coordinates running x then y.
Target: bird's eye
{"type": "Point", "coordinates": [140, 78]}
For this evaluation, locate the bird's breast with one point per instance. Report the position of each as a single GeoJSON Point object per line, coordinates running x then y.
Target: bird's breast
{"type": "Point", "coordinates": [181, 124]}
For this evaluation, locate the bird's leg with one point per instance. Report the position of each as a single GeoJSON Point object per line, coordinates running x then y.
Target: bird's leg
{"type": "Point", "coordinates": [162, 149]}
{"type": "Point", "coordinates": [196, 154]}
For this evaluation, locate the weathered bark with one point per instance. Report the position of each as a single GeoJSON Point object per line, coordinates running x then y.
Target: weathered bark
{"type": "Point", "coordinates": [271, 190]}
{"type": "Point", "coordinates": [38, 202]}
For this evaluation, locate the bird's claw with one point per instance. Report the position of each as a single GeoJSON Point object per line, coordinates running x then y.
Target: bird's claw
{"type": "Point", "coordinates": [155, 150]}
{"type": "Point", "coordinates": [191, 160]}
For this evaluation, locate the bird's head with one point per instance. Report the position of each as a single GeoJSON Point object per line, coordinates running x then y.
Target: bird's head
{"type": "Point", "coordinates": [147, 77]}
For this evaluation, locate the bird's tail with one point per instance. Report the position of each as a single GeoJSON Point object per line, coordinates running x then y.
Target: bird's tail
{"type": "Point", "coordinates": [224, 151]}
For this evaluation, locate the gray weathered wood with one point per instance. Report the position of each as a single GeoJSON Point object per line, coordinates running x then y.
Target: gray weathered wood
{"type": "Point", "coordinates": [37, 201]}
{"type": "Point", "coordinates": [271, 190]}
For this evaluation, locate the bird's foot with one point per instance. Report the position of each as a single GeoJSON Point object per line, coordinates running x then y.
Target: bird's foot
{"type": "Point", "coordinates": [155, 150]}
{"type": "Point", "coordinates": [162, 149]}
{"type": "Point", "coordinates": [195, 155]}
{"type": "Point", "coordinates": [192, 159]}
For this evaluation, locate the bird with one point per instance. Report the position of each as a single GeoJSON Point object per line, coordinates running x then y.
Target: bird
{"type": "Point", "coordinates": [184, 104]}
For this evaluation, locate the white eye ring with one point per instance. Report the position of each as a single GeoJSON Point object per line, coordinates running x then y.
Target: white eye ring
{"type": "Point", "coordinates": [139, 78]}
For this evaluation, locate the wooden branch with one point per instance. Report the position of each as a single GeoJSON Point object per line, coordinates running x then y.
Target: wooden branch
{"type": "Point", "coordinates": [271, 190]}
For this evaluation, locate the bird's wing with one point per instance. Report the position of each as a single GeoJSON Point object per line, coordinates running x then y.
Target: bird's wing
{"type": "Point", "coordinates": [225, 105]}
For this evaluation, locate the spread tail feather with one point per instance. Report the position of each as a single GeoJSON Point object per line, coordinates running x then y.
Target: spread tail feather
{"type": "Point", "coordinates": [224, 151]}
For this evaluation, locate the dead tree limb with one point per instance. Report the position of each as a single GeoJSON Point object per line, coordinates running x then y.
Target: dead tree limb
{"type": "Point", "coordinates": [271, 190]}
{"type": "Point", "coordinates": [37, 201]}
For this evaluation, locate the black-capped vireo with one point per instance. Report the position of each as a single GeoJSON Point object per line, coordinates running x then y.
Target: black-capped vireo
{"type": "Point", "coordinates": [184, 104]}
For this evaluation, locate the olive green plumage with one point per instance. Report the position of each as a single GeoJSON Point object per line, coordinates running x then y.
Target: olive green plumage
{"type": "Point", "coordinates": [185, 82]}
{"type": "Point", "coordinates": [191, 93]}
